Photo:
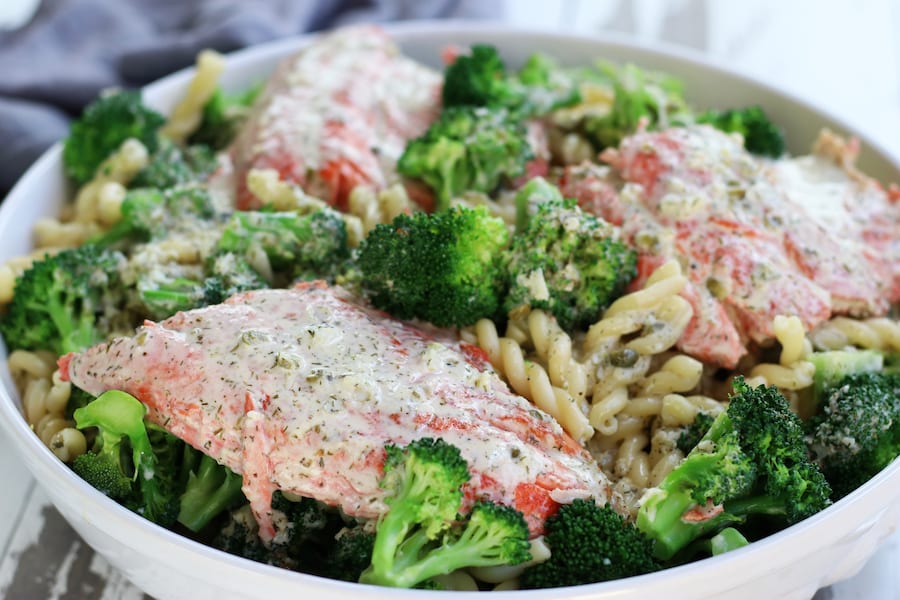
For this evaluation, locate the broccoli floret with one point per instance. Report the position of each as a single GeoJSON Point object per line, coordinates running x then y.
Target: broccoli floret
{"type": "Point", "coordinates": [223, 115]}
{"type": "Point", "coordinates": [761, 136]}
{"type": "Point", "coordinates": [857, 431]}
{"type": "Point", "coordinates": [589, 543]}
{"type": "Point", "coordinates": [694, 432]}
{"type": "Point", "coordinates": [150, 213]}
{"type": "Point", "coordinates": [227, 274]}
{"type": "Point", "coordinates": [298, 246]}
{"type": "Point", "coordinates": [834, 365]}
{"type": "Point", "coordinates": [637, 95]}
{"type": "Point", "coordinates": [441, 267]}
{"type": "Point", "coordinates": [153, 491]}
{"type": "Point", "coordinates": [143, 218]}
{"type": "Point", "coordinates": [350, 555]}
{"type": "Point", "coordinates": [210, 489]}
{"type": "Point", "coordinates": [105, 467]}
{"type": "Point", "coordinates": [421, 536]}
{"type": "Point", "coordinates": [305, 537]}
{"type": "Point", "coordinates": [568, 262]}
{"type": "Point", "coordinates": [480, 79]}
{"type": "Point", "coordinates": [548, 86]}
{"type": "Point", "coordinates": [304, 529]}
{"type": "Point", "coordinates": [163, 296]}
{"type": "Point", "coordinates": [101, 129]}
{"type": "Point", "coordinates": [172, 166]}
{"type": "Point", "coordinates": [752, 461]}
{"type": "Point", "coordinates": [62, 302]}
{"type": "Point", "coordinates": [240, 536]}
{"type": "Point", "coordinates": [530, 196]}
{"type": "Point", "coordinates": [169, 288]}
{"type": "Point", "coordinates": [467, 148]}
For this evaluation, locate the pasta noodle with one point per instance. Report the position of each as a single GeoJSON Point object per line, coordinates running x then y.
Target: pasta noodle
{"type": "Point", "coordinates": [188, 113]}
{"type": "Point", "coordinates": [554, 346]}
{"type": "Point", "coordinates": [881, 333]}
{"type": "Point", "coordinates": [271, 190]}
{"type": "Point", "coordinates": [531, 380]}
{"type": "Point", "coordinates": [44, 400]}
{"type": "Point", "coordinates": [374, 208]}
{"type": "Point", "coordinates": [7, 283]}
{"type": "Point", "coordinates": [792, 373]}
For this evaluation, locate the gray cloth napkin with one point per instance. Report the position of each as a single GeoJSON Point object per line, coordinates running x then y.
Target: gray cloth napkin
{"type": "Point", "coordinates": [72, 49]}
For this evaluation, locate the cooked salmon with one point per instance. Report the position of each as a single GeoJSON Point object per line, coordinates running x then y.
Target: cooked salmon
{"type": "Point", "coordinates": [299, 390]}
{"type": "Point", "coordinates": [756, 238]}
{"type": "Point", "coordinates": [337, 115]}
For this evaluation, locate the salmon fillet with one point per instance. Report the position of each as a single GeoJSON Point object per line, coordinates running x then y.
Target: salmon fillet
{"type": "Point", "coordinates": [337, 115]}
{"type": "Point", "coordinates": [756, 238]}
{"type": "Point", "coordinates": [299, 390]}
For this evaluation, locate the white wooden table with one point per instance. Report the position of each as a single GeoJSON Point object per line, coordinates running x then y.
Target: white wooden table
{"type": "Point", "coordinates": [844, 53]}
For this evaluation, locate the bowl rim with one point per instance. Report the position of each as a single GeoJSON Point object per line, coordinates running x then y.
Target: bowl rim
{"type": "Point", "coordinates": [800, 539]}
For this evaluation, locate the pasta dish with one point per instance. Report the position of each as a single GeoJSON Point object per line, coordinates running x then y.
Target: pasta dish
{"type": "Point", "coordinates": [485, 328]}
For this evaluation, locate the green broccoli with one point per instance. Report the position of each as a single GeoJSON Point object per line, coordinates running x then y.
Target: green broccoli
{"type": "Point", "coordinates": [694, 432]}
{"type": "Point", "coordinates": [223, 115]}
{"type": "Point", "coordinates": [637, 94]}
{"type": "Point", "coordinates": [149, 214]}
{"type": "Point", "coordinates": [101, 129]}
{"type": "Point", "coordinates": [306, 540]}
{"type": "Point", "coordinates": [725, 541]}
{"type": "Point", "coordinates": [421, 536]}
{"type": "Point", "coordinates": [857, 430]}
{"type": "Point", "coordinates": [165, 289]}
{"type": "Point", "coordinates": [761, 136]}
{"type": "Point", "coordinates": [589, 543]}
{"type": "Point", "coordinates": [467, 149]}
{"type": "Point", "coordinates": [227, 274]}
{"type": "Point", "coordinates": [442, 267]}
{"type": "Point", "coordinates": [172, 165]}
{"type": "Point", "coordinates": [568, 262]}
{"type": "Point", "coordinates": [752, 461]}
{"type": "Point", "coordinates": [64, 301]}
{"type": "Point", "coordinates": [530, 196]}
{"type": "Point", "coordinates": [298, 246]}
{"type": "Point", "coordinates": [834, 365]}
{"type": "Point", "coordinates": [151, 490]}
{"type": "Point", "coordinates": [350, 555]}
{"type": "Point", "coordinates": [143, 218]}
{"type": "Point", "coordinates": [480, 79]}
{"type": "Point", "coordinates": [548, 86]}
{"type": "Point", "coordinates": [210, 489]}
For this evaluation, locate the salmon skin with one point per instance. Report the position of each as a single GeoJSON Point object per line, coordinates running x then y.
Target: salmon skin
{"type": "Point", "coordinates": [337, 115]}
{"type": "Point", "coordinates": [299, 390]}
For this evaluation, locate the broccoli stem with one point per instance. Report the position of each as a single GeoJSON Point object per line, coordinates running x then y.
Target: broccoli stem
{"type": "Point", "coordinates": [118, 413]}
{"type": "Point", "coordinates": [663, 520]}
{"type": "Point", "coordinates": [75, 334]}
{"type": "Point", "coordinates": [211, 490]}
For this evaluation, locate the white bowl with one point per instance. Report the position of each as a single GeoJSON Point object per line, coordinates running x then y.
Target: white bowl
{"type": "Point", "coordinates": [794, 563]}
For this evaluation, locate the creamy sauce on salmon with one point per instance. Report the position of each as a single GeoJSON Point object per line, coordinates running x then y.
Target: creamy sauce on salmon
{"type": "Point", "coordinates": [756, 238]}
{"type": "Point", "coordinates": [299, 390]}
{"type": "Point", "coordinates": [336, 115]}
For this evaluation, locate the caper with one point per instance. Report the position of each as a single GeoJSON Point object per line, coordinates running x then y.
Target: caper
{"type": "Point", "coordinates": [624, 357]}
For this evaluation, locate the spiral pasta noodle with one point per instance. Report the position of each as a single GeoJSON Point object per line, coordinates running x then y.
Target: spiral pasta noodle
{"type": "Point", "coordinates": [531, 380]}
{"type": "Point", "coordinates": [188, 113]}
{"type": "Point", "coordinates": [792, 373]}
{"type": "Point", "coordinates": [880, 333]}
{"type": "Point", "coordinates": [375, 208]}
